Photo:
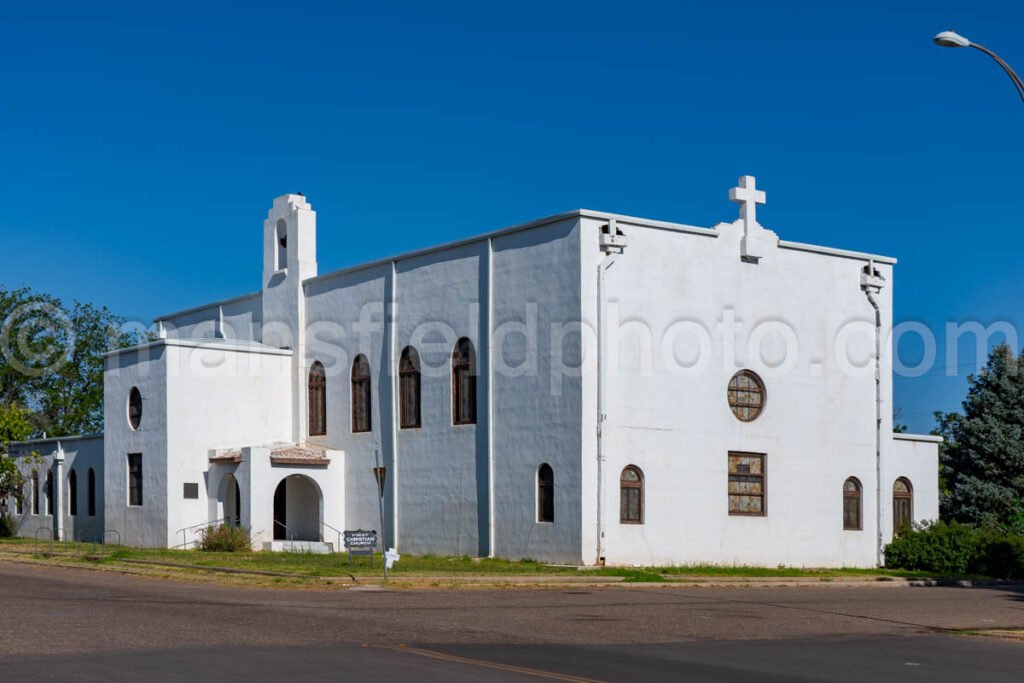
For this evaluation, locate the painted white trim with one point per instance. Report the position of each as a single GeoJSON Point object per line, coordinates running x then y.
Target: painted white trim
{"type": "Point", "coordinates": [197, 309]}
{"type": "Point", "coordinates": [224, 344]}
{"type": "Point", "coordinates": [841, 253]}
{"type": "Point", "coordinates": [622, 219]}
{"type": "Point", "coordinates": [56, 439]}
{"type": "Point", "coordinates": [925, 438]}
{"type": "Point", "coordinates": [632, 221]}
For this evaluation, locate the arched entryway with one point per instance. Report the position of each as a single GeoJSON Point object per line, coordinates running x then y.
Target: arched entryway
{"type": "Point", "coordinates": [297, 509]}
{"type": "Point", "coordinates": [232, 501]}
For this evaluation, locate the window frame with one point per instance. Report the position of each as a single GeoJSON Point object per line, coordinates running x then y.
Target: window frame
{"type": "Point", "coordinates": [545, 492]}
{"type": "Point", "coordinates": [91, 492]}
{"type": "Point", "coordinates": [362, 395]}
{"type": "Point", "coordinates": [857, 496]}
{"type": "Point", "coordinates": [464, 375]}
{"type": "Point", "coordinates": [72, 492]}
{"type": "Point", "coordinates": [135, 480]}
{"type": "Point", "coordinates": [628, 487]}
{"type": "Point", "coordinates": [35, 493]}
{"type": "Point", "coordinates": [134, 409]}
{"type": "Point", "coordinates": [49, 494]}
{"type": "Point", "coordinates": [763, 457]}
{"type": "Point", "coordinates": [410, 389]}
{"type": "Point", "coordinates": [909, 497]}
{"type": "Point", "coordinates": [316, 388]}
{"type": "Point", "coordinates": [761, 391]}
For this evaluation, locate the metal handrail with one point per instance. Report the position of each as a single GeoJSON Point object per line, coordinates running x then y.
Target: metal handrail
{"type": "Point", "coordinates": [111, 531]}
{"type": "Point", "coordinates": [79, 536]}
{"type": "Point", "coordinates": [35, 544]}
{"type": "Point", "coordinates": [80, 540]}
{"type": "Point", "coordinates": [185, 541]}
{"type": "Point", "coordinates": [287, 529]}
{"type": "Point", "coordinates": [196, 526]}
{"type": "Point", "coordinates": [337, 548]}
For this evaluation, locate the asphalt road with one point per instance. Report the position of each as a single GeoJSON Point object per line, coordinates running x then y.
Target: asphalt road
{"type": "Point", "coordinates": [68, 624]}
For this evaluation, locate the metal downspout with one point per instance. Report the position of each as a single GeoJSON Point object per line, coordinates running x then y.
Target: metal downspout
{"type": "Point", "coordinates": [602, 268]}
{"type": "Point", "coordinates": [867, 287]}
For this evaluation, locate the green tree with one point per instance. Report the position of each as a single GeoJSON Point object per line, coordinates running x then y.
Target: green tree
{"type": "Point", "coordinates": [29, 331]}
{"type": "Point", "coordinates": [51, 359]}
{"type": "Point", "coordinates": [15, 425]}
{"type": "Point", "coordinates": [982, 460]}
{"type": "Point", "coordinates": [71, 394]}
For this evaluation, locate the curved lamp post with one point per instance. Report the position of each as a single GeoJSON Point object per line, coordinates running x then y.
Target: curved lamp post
{"type": "Point", "coordinates": [953, 39]}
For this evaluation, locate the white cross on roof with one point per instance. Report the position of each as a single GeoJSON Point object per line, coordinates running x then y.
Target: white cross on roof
{"type": "Point", "coordinates": [748, 197]}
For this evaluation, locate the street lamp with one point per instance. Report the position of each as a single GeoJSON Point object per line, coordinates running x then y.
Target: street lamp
{"type": "Point", "coordinates": [954, 39]}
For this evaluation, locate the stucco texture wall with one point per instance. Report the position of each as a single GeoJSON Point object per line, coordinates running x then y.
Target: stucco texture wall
{"type": "Point", "coordinates": [219, 397]}
{"type": "Point", "coordinates": [146, 369]}
{"type": "Point", "coordinates": [538, 390]}
{"type": "Point", "coordinates": [670, 416]}
{"type": "Point", "coordinates": [334, 309]}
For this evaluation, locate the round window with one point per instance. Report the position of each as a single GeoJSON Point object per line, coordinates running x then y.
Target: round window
{"type": "Point", "coordinates": [134, 408]}
{"type": "Point", "coordinates": [746, 395]}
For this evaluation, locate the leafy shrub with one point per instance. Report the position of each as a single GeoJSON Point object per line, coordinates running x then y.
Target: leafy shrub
{"type": "Point", "coordinates": [949, 549]}
{"type": "Point", "coordinates": [225, 539]}
{"type": "Point", "coordinates": [8, 527]}
{"type": "Point", "coordinates": [1002, 555]}
{"type": "Point", "coordinates": [954, 549]}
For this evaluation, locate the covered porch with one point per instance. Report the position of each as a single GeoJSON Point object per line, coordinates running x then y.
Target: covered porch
{"type": "Point", "coordinates": [291, 497]}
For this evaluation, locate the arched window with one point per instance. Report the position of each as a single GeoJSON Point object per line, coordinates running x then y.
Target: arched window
{"type": "Point", "coordinates": [361, 416]}
{"type": "Point", "coordinates": [281, 244]}
{"type": "Point", "coordinates": [49, 493]}
{"type": "Point", "coordinates": [409, 388]}
{"type": "Point", "coordinates": [851, 504]}
{"type": "Point", "coordinates": [317, 400]}
{"type": "Point", "coordinates": [35, 492]}
{"type": "Point", "coordinates": [90, 493]}
{"type": "Point", "coordinates": [545, 494]}
{"type": "Point", "coordinates": [464, 383]}
{"type": "Point", "coordinates": [72, 492]}
{"type": "Point", "coordinates": [902, 504]}
{"type": "Point", "coordinates": [134, 408]}
{"type": "Point", "coordinates": [631, 496]}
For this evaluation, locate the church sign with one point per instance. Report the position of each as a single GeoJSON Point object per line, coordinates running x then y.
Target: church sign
{"type": "Point", "coordinates": [360, 542]}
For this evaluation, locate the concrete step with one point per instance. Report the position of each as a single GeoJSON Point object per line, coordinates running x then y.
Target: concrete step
{"type": "Point", "coordinates": [317, 547]}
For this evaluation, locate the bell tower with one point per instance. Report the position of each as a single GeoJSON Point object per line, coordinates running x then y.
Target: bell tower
{"type": "Point", "coordinates": [289, 258]}
{"type": "Point", "coordinates": [289, 240]}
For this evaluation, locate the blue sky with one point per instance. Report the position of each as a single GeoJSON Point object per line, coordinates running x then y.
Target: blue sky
{"type": "Point", "coordinates": [142, 142]}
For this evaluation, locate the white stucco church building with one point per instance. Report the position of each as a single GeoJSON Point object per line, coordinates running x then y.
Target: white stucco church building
{"type": "Point", "coordinates": [583, 388]}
